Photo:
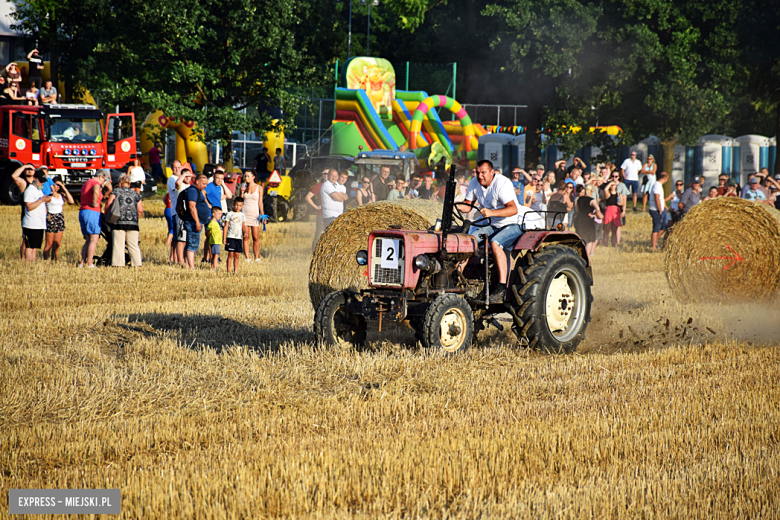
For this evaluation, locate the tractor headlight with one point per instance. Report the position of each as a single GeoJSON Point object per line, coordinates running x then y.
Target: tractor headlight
{"type": "Point", "coordinates": [362, 257]}
{"type": "Point", "coordinates": [423, 262]}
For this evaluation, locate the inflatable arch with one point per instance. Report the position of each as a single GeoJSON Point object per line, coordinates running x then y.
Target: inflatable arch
{"type": "Point", "coordinates": [470, 141]}
{"type": "Point", "coordinates": [187, 144]}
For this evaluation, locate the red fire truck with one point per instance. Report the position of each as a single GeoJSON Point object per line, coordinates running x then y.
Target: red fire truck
{"type": "Point", "coordinates": [73, 141]}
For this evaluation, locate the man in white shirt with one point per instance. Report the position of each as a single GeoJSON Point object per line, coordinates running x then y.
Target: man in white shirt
{"type": "Point", "coordinates": [34, 220]}
{"type": "Point", "coordinates": [658, 209]}
{"type": "Point", "coordinates": [333, 196]}
{"type": "Point", "coordinates": [630, 169]}
{"type": "Point", "coordinates": [495, 196]}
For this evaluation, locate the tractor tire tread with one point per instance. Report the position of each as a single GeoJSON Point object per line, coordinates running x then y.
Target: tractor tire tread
{"type": "Point", "coordinates": [531, 310]}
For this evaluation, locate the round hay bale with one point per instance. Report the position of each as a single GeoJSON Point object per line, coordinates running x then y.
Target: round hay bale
{"type": "Point", "coordinates": [333, 265]}
{"type": "Point", "coordinates": [725, 249]}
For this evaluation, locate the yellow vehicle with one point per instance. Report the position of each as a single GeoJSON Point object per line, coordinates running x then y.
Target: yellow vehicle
{"type": "Point", "coordinates": [278, 196]}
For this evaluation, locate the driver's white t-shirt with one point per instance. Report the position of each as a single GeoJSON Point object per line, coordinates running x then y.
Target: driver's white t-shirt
{"type": "Point", "coordinates": [497, 195]}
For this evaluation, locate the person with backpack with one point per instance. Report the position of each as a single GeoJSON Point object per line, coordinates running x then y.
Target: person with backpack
{"type": "Point", "coordinates": [196, 216]}
{"type": "Point", "coordinates": [125, 230]}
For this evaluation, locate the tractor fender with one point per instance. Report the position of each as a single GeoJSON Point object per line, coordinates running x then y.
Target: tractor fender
{"type": "Point", "coordinates": [536, 240]}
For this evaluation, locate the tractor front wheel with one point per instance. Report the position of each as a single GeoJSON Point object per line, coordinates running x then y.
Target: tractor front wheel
{"type": "Point", "coordinates": [552, 300]}
{"type": "Point", "coordinates": [335, 326]}
{"type": "Point", "coordinates": [448, 324]}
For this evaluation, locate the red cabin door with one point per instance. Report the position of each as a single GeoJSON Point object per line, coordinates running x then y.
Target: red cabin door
{"type": "Point", "coordinates": [120, 140]}
{"type": "Point", "coordinates": [24, 143]}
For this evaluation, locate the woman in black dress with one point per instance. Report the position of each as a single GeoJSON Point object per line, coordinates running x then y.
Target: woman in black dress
{"type": "Point", "coordinates": [587, 211]}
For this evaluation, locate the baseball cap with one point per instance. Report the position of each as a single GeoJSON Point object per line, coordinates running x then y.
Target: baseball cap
{"type": "Point", "coordinates": [137, 174]}
{"type": "Point", "coordinates": [697, 180]}
{"type": "Point", "coordinates": [540, 166]}
{"type": "Point", "coordinates": [773, 188]}
{"type": "Point", "coordinates": [753, 180]}
{"type": "Point", "coordinates": [777, 177]}
{"type": "Point", "coordinates": [571, 181]}
{"type": "Point", "coordinates": [731, 182]}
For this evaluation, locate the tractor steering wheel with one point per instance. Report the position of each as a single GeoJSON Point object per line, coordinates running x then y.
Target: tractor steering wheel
{"type": "Point", "coordinates": [461, 219]}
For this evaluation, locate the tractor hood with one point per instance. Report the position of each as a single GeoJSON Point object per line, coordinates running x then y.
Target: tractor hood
{"type": "Point", "coordinates": [392, 252]}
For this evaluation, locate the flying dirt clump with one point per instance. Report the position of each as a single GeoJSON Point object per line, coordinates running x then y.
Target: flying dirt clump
{"type": "Point", "coordinates": [333, 265]}
{"type": "Point", "coordinates": [726, 249]}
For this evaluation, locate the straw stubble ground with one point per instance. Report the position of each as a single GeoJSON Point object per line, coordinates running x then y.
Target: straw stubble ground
{"type": "Point", "coordinates": [200, 395]}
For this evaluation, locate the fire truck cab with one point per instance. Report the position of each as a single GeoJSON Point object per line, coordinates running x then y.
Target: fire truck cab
{"type": "Point", "coordinates": [70, 140]}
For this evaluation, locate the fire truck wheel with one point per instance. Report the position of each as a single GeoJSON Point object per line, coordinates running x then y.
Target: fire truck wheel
{"type": "Point", "coordinates": [448, 324]}
{"type": "Point", "coordinates": [9, 191]}
{"type": "Point", "coordinates": [334, 326]}
{"type": "Point", "coordinates": [551, 300]}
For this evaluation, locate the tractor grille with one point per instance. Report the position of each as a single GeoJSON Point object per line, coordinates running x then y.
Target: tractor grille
{"type": "Point", "coordinates": [384, 275]}
{"type": "Point", "coordinates": [387, 276]}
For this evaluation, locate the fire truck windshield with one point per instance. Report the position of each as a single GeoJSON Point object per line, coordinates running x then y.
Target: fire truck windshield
{"type": "Point", "coordinates": [74, 130]}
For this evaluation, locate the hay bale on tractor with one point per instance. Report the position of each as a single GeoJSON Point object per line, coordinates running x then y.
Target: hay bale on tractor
{"type": "Point", "coordinates": [333, 265]}
{"type": "Point", "coordinates": [725, 249]}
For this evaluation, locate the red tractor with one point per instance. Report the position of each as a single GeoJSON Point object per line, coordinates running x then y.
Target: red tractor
{"type": "Point", "coordinates": [439, 280]}
{"type": "Point", "coordinates": [73, 141]}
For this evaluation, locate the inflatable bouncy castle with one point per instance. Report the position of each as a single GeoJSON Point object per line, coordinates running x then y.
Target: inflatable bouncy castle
{"type": "Point", "coordinates": [372, 115]}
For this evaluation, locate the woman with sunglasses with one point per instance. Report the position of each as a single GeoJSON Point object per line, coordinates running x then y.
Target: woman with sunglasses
{"type": "Point", "coordinates": [560, 204]}
{"type": "Point", "coordinates": [679, 189]}
{"type": "Point", "coordinates": [365, 193]}
{"type": "Point", "coordinates": [55, 219]}
{"type": "Point", "coordinates": [648, 170]}
{"type": "Point", "coordinates": [534, 195]}
{"type": "Point", "coordinates": [615, 211]}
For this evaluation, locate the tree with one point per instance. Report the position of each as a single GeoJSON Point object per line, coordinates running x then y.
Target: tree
{"type": "Point", "coordinates": [666, 67]}
{"type": "Point", "coordinates": [204, 61]}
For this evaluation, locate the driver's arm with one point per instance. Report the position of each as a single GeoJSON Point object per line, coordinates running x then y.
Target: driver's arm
{"type": "Point", "coordinates": [466, 206]}
{"type": "Point", "coordinates": [507, 211]}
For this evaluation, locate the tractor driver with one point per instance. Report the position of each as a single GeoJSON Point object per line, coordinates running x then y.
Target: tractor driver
{"type": "Point", "coordinates": [496, 199]}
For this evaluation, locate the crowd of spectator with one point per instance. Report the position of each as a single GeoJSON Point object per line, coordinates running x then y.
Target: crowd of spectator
{"type": "Point", "coordinates": [15, 91]}
{"type": "Point", "coordinates": [202, 212]}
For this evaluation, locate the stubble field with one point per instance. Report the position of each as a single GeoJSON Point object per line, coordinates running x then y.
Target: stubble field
{"type": "Point", "coordinates": [201, 394]}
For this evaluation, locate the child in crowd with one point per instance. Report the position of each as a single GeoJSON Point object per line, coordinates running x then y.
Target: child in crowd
{"type": "Point", "coordinates": [215, 235]}
{"type": "Point", "coordinates": [233, 234]}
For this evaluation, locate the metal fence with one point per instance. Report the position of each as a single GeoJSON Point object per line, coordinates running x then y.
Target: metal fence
{"type": "Point", "coordinates": [499, 115]}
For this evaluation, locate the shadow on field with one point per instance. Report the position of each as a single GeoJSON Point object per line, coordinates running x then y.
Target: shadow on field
{"type": "Point", "coordinates": [201, 331]}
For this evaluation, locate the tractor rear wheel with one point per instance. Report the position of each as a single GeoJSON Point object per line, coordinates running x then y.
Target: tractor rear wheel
{"type": "Point", "coordinates": [448, 324]}
{"type": "Point", "coordinates": [551, 299]}
{"type": "Point", "coordinates": [334, 326]}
